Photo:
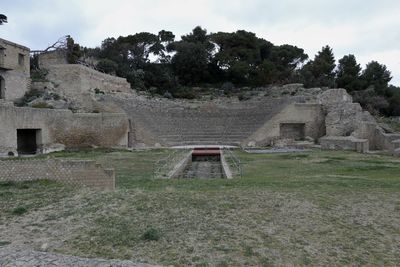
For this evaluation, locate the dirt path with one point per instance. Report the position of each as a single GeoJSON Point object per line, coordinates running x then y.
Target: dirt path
{"type": "Point", "coordinates": [18, 256]}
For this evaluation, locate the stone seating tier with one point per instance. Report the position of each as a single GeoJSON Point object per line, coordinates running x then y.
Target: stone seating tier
{"type": "Point", "coordinates": [175, 124]}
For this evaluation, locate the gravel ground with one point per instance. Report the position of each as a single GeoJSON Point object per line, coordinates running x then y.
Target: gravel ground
{"type": "Point", "coordinates": [18, 256]}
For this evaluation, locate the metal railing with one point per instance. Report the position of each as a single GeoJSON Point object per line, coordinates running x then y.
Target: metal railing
{"type": "Point", "coordinates": [164, 166]}
{"type": "Point", "coordinates": [234, 162]}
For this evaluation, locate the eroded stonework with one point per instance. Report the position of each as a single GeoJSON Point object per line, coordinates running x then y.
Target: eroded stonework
{"type": "Point", "coordinates": [14, 70]}
{"type": "Point", "coordinates": [121, 117]}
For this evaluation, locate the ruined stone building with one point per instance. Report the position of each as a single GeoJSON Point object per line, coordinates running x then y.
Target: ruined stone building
{"type": "Point", "coordinates": [26, 130]}
{"type": "Point", "coordinates": [328, 118]}
{"type": "Point", "coordinates": [14, 70]}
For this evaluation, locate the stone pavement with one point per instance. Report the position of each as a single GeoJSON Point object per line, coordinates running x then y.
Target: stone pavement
{"type": "Point", "coordinates": [23, 257]}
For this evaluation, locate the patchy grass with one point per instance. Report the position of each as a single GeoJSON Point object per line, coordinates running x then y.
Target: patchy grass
{"type": "Point", "coordinates": [19, 210]}
{"type": "Point", "coordinates": [303, 209]}
{"type": "Point", "coordinates": [151, 234]}
{"type": "Point", "coordinates": [19, 198]}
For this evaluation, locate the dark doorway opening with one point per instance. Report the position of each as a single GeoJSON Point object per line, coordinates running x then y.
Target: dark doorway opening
{"type": "Point", "coordinates": [2, 88]}
{"type": "Point", "coordinates": [294, 131]}
{"type": "Point", "coordinates": [27, 141]}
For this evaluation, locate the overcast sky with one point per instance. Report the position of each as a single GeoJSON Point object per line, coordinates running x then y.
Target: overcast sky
{"type": "Point", "coordinates": [368, 29]}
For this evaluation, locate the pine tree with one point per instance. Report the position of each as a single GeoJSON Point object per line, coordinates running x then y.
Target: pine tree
{"type": "Point", "coordinates": [348, 74]}
{"type": "Point", "coordinates": [320, 71]}
{"type": "Point", "coordinates": [3, 19]}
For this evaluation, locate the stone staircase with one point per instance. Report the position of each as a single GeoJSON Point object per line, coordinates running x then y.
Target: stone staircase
{"type": "Point", "coordinates": [203, 170]}
{"type": "Point", "coordinates": [174, 124]}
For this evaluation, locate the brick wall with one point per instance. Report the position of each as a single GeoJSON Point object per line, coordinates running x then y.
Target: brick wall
{"type": "Point", "coordinates": [73, 172]}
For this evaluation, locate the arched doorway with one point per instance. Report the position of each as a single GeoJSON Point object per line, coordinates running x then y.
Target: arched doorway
{"type": "Point", "coordinates": [2, 88]}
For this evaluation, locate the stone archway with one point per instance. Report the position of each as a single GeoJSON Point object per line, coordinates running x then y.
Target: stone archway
{"type": "Point", "coordinates": [2, 88]}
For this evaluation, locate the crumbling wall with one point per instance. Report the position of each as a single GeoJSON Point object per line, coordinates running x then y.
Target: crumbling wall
{"type": "Point", "coordinates": [344, 143]}
{"type": "Point", "coordinates": [90, 129]}
{"type": "Point", "coordinates": [343, 117]}
{"type": "Point", "coordinates": [16, 84]}
{"type": "Point", "coordinates": [55, 57]}
{"type": "Point", "coordinates": [73, 80]}
{"type": "Point", "coordinates": [73, 172]}
{"type": "Point", "coordinates": [62, 126]}
{"type": "Point", "coordinates": [14, 69]}
{"type": "Point", "coordinates": [347, 119]}
{"type": "Point", "coordinates": [311, 115]}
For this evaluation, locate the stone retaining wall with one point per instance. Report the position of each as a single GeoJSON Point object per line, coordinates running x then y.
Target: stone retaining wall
{"type": "Point", "coordinates": [73, 80]}
{"type": "Point", "coordinates": [344, 143]}
{"type": "Point", "coordinates": [73, 172]}
{"type": "Point", "coordinates": [311, 115]}
{"type": "Point", "coordinates": [74, 130]}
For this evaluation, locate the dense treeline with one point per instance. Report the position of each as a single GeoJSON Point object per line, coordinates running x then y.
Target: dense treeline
{"type": "Point", "coordinates": [161, 64]}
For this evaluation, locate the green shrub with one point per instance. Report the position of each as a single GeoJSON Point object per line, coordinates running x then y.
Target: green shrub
{"type": "Point", "coordinates": [97, 91]}
{"type": "Point", "coordinates": [184, 92]}
{"type": "Point", "coordinates": [19, 210]}
{"type": "Point", "coordinates": [107, 66]}
{"type": "Point", "coordinates": [29, 96]}
{"type": "Point", "coordinates": [151, 234]}
{"type": "Point", "coordinates": [4, 243]}
{"type": "Point", "coordinates": [7, 184]}
{"type": "Point", "coordinates": [39, 75]}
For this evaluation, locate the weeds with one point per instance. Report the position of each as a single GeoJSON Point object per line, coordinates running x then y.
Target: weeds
{"type": "Point", "coordinates": [19, 210]}
{"type": "Point", "coordinates": [288, 209]}
{"type": "Point", "coordinates": [151, 234]}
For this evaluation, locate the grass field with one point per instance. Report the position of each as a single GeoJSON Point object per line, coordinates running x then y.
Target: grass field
{"type": "Point", "coordinates": [300, 209]}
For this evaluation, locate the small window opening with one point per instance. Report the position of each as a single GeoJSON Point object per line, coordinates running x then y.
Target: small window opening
{"type": "Point", "coordinates": [21, 59]}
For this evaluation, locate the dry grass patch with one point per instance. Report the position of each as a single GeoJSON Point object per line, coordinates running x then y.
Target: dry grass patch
{"type": "Point", "coordinates": [316, 208]}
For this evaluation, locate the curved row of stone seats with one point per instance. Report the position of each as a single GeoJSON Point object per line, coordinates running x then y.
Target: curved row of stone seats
{"type": "Point", "coordinates": [204, 143]}
{"type": "Point", "coordinates": [174, 123]}
{"type": "Point", "coordinates": [205, 128]}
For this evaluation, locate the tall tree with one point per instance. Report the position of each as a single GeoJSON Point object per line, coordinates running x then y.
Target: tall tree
{"type": "Point", "coordinates": [165, 38]}
{"type": "Point", "coordinates": [286, 59]}
{"type": "Point", "coordinates": [348, 74]}
{"type": "Point", "coordinates": [377, 75]}
{"type": "Point", "coordinates": [73, 51]}
{"type": "Point", "coordinates": [190, 63]}
{"type": "Point", "coordinates": [320, 71]}
{"type": "Point", "coordinates": [239, 54]}
{"type": "Point", "coordinates": [193, 54]}
{"type": "Point", "coordinates": [199, 36]}
{"type": "Point", "coordinates": [3, 19]}
{"type": "Point", "coordinates": [138, 47]}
